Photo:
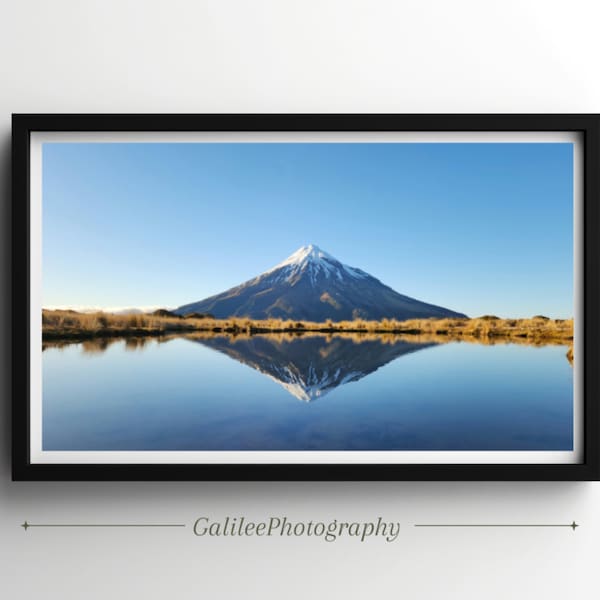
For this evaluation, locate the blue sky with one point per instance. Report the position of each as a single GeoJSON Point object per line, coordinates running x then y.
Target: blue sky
{"type": "Point", "coordinates": [478, 228]}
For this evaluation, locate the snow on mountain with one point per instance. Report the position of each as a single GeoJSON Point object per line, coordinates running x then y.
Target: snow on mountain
{"type": "Point", "coordinates": [313, 285]}
{"type": "Point", "coordinates": [313, 261]}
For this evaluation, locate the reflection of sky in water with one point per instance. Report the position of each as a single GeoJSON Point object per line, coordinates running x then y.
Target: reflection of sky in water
{"type": "Point", "coordinates": [182, 395]}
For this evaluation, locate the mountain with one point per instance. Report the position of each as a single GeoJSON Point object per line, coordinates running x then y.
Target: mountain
{"type": "Point", "coordinates": [312, 285]}
{"type": "Point", "coordinates": [309, 367]}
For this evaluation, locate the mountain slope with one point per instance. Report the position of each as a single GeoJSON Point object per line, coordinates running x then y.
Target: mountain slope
{"type": "Point", "coordinates": [313, 285]}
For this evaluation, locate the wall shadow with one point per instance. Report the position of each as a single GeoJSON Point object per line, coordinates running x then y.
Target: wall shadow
{"type": "Point", "coordinates": [5, 305]}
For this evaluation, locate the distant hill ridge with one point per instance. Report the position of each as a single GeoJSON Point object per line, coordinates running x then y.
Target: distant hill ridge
{"type": "Point", "coordinates": [312, 285]}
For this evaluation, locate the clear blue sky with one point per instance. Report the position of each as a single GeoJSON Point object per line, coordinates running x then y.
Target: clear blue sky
{"type": "Point", "coordinates": [478, 228]}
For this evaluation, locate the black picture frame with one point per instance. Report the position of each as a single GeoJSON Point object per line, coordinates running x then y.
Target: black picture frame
{"type": "Point", "coordinates": [24, 124]}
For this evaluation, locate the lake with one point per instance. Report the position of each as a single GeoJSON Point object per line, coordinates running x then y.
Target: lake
{"type": "Point", "coordinates": [312, 392]}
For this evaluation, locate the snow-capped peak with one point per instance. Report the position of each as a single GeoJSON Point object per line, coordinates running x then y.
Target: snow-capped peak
{"type": "Point", "coordinates": [313, 261]}
{"type": "Point", "coordinates": [310, 253]}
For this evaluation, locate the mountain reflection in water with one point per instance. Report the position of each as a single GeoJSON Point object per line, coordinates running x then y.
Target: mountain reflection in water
{"type": "Point", "coordinates": [311, 367]}
{"type": "Point", "coordinates": [308, 366]}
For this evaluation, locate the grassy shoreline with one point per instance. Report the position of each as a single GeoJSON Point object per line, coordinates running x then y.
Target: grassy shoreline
{"type": "Point", "coordinates": [71, 325]}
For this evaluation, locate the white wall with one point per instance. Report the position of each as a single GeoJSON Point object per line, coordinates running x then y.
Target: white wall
{"type": "Point", "coordinates": [309, 56]}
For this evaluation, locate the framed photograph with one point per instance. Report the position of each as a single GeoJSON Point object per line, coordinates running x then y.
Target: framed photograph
{"type": "Point", "coordinates": [306, 297]}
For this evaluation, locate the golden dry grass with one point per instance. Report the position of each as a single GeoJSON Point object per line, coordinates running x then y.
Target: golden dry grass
{"type": "Point", "coordinates": [61, 324]}
{"type": "Point", "coordinates": [67, 323]}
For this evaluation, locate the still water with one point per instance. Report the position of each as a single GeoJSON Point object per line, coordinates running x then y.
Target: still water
{"type": "Point", "coordinates": [306, 393]}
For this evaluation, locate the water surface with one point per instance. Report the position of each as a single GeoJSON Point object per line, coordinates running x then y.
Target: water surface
{"type": "Point", "coordinates": [305, 393]}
